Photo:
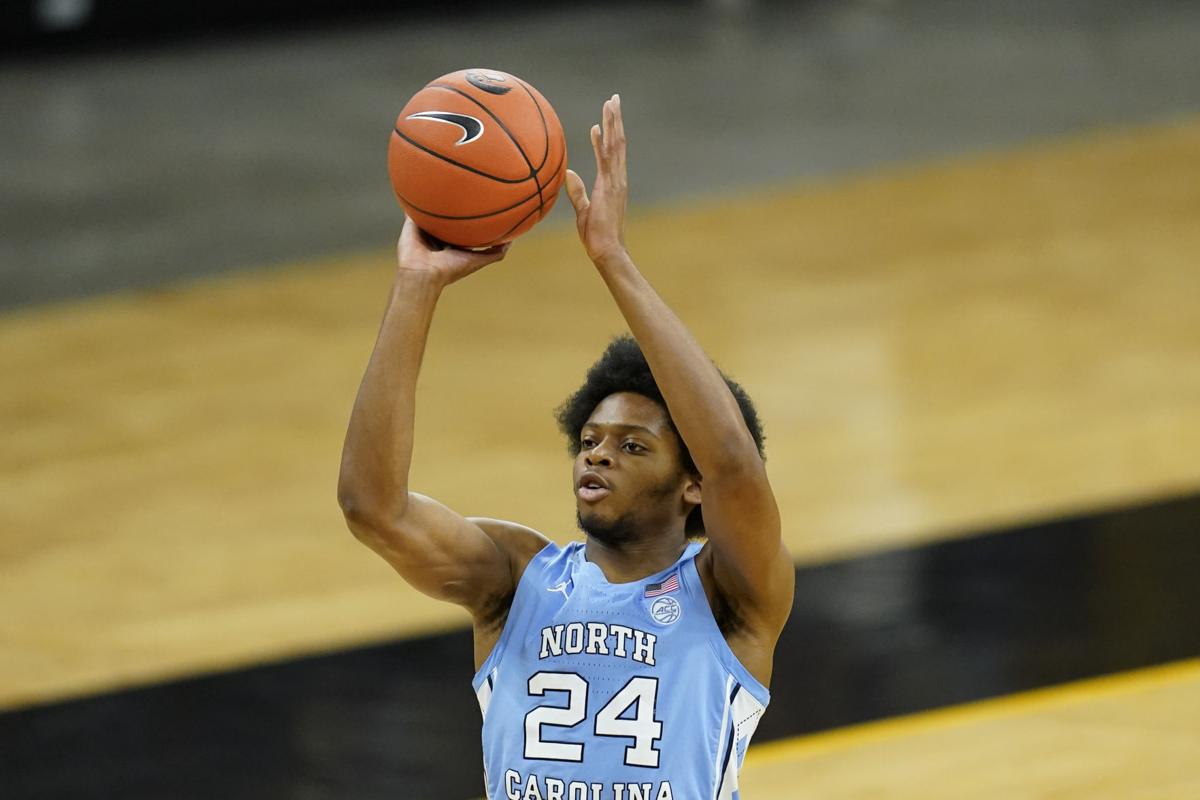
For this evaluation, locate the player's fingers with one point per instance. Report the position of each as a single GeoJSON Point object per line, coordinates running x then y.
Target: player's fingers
{"type": "Point", "coordinates": [618, 131]}
{"type": "Point", "coordinates": [462, 262]}
{"type": "Point", "coordinates": [495, 252]}
{"type": "Point", "coordinates": [410, 239]}
{"type": "Point", "coordinates": [597, 148]}
{"type": "Point", "coordinates": [609, 126]}
{"type": "Point", "coordinates": [576, 192]}
{"type": "Point", "coordinates": [618, 120]}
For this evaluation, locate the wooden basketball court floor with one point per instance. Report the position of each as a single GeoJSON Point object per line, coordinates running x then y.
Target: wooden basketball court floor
{"type": "Point", "coordinates": [935, 350]}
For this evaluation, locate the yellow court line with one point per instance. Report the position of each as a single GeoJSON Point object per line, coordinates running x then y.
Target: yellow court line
{"type": "Point", "coordinates": [1008, 706]}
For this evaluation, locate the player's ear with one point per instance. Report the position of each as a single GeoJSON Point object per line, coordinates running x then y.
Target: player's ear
{"type": "Point", "coordinates": [691, 490]}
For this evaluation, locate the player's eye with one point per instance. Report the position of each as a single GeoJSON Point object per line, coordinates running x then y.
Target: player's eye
{"type": "Point", "coordinates": [587, 443]}
{"type": "Point", "coordinates": [633, 447]}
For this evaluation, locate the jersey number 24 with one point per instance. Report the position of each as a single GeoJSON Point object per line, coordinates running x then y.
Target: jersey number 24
{"type": "Point", "coordinates": [643, 728]}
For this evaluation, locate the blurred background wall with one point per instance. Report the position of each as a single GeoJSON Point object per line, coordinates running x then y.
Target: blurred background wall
{"type": "Point", "coordinates": [183, 145]}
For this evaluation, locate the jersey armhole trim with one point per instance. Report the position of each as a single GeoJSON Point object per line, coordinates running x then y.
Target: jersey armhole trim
{"type": "Point", "coordinates": [716, 640]}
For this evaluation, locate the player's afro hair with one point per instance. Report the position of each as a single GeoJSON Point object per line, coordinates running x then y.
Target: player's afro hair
{"type": "Point", "coordinates": [623, 368]}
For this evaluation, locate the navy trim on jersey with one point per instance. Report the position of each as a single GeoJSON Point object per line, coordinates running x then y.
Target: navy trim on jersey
{"type": "Point", "coordinates": [729, 743]}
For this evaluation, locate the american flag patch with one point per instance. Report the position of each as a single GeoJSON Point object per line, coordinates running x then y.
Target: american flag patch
{"type": "Point", "coordinates": [671, 584]}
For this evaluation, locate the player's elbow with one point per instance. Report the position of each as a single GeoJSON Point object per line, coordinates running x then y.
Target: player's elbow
{"type": "Point", "coordinates": [350, 500]}
{"type": "Point", "coordinates": [371, 528]}
{"type": "Point", "coordinates": [365, 516]}
{"type": "Point", "coordinates": [363, 490]}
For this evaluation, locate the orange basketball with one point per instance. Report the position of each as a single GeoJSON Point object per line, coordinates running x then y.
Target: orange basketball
{"type": "Point", "coordinates": [477, 157]}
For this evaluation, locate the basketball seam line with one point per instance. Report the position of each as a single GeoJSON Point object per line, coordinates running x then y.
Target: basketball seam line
{"type": "Point", "coordinates": [545, 136]}
{"type": "Point", "coordinates": [532, 172]}
{"type": "Point", "coordinates": [545, 130]}
{"type": "Point", "coordinates": [520, 222]}
{"type": "Point", "coordinates": [522, 201]}
{"type": "Point", "coordinates": [459, 164]}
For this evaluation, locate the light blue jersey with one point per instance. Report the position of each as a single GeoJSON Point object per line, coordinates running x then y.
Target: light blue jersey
{"type": "Point", "coordinates": [613, 691]}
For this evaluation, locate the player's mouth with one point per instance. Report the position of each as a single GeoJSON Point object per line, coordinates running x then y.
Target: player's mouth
{"type": "Point", "coordinates": [592, 488]}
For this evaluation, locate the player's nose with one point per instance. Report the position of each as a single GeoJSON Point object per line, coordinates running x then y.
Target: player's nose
{"type": "Point", "coordinates": [596, 457]}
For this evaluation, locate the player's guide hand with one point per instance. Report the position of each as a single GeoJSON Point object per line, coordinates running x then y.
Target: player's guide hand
{"type": "Point", "coordinates": [601, 220]}
{"type": "Point", "coordinates": [416, 253]}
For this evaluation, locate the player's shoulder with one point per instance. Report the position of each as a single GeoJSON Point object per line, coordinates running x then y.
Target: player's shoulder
{"type": "Point", "coordinates": [518, 542]}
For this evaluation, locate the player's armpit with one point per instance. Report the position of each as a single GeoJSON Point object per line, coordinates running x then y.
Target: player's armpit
{"type": "Point", "coordinates": [447, 556]}
{"type": "Point", "coordinates": [750, 565]}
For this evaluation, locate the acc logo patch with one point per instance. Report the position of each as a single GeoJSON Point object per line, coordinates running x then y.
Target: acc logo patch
{"type": "Point", "coordinates": [666, 610]}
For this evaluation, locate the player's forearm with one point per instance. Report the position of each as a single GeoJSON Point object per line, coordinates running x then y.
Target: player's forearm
{"type": "Point", "coordinates": [373, 483]}
{"type": "Point", "coordinates": [700, 404]}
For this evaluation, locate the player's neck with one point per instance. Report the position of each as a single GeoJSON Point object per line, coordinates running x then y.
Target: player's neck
{"type": "Point", "coordinates": [632, 561]}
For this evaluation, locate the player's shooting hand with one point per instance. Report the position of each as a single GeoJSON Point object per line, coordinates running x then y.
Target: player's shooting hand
{"type": "Point", "coordinates": [415, 252]}
{"type": "Point", "coordinates": [601, 220]}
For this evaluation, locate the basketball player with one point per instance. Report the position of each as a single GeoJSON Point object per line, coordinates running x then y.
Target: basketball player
{"type": "Point", "coordinates": [635, 665]}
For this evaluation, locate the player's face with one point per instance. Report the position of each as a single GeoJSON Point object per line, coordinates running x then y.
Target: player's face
{"type": "Point", "coordinates": [629, 477]}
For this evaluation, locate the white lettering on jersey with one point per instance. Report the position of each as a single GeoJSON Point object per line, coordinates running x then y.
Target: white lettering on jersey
{"type": "Point", "coordinates": [551, 642]}
{"type": "Point", "coordinates": [574, 638]}
{"type": "Point", "coordinates": [597, 633]}
{"type": "Point", "coordinates": [643, 647]}
{"type": "Point", "coordinates": [531, 789]}
{"type": "Point", "coordinates": [597, 638]}
{"type": "Point", "coordinates": [622, 633]}
{"type": "Point", "coordinates": [536, 787]}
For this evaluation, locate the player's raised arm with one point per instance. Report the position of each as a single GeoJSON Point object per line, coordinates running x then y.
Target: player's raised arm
{"type": "Point", "coordinates": [741, 518]}
{"type": "Point", "coordinates": [436, 550]}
